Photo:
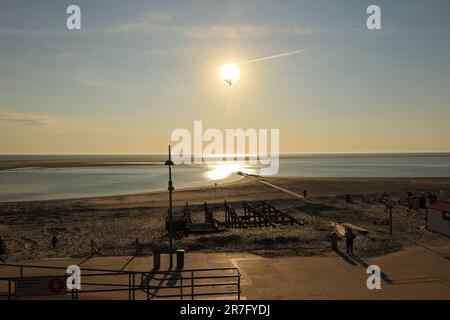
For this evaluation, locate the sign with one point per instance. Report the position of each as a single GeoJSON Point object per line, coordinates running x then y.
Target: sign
{"type": "Point", "coordinates": [40, 286]}
{"type": "Point", "coordinates": [389, 203]}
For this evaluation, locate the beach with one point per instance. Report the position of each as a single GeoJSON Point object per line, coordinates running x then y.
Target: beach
{"type": "Point", "coordinates": [115, 222]}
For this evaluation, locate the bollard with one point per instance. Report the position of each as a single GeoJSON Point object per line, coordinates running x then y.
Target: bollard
{"type": "Point", "coordinates": [180, 259]}
{"type": "Point", "coordinates": [334, 241]}
{"type": "Point", "coordinates": [156, 260]}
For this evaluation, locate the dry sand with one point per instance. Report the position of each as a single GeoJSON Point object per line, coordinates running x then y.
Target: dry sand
{"type": "Point", "coordinates": [115, 222]}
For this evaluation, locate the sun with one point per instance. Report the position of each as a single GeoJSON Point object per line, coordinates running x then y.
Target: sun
{"type": "Point", "coordinates": [229, 73]}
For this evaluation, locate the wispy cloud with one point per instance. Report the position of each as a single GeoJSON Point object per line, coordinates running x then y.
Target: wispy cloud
{"type": "Point", "coordinates": [158, 16]}
{"type": "Point", "coordinates": [215, 31]}
{"type": "Point", "coordinates": [185, 51]}
{"type": "Point", "coordinates": [32, 32]}
{"type": "Point", "coordinates": [24, 119]}
{"type": "Point", "coordinates": [242, 31]}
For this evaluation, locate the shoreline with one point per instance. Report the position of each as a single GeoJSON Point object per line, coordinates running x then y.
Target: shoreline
{"type": "Point", "coordinates": [93, 160]}
{"type": "Point", "coordinates": [227, 181]}
{"type": "Point", "coordinates": [238, 179]}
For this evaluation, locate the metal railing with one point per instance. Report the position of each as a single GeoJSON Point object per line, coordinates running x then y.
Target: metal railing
{"type": "Point", "coordinates": [11, 281]}
{"type": "Point", "coordinates": [187, 283]}
{"type": "Point", "coordinates": [179, 284]}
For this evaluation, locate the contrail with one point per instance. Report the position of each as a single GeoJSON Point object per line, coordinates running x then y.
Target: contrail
{"type": "Point", "coordinates": [290, 53]}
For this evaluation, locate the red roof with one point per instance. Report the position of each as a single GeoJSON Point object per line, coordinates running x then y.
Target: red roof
{"type": "Point", "coordinates": [441, 206]}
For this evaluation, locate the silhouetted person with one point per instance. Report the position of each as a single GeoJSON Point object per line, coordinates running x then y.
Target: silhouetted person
{"type": "Point", "coordinates": [2, 249]}
{"type": "Point", "coordinates": [54, 242]}
{"type": "Point", "coordinates": [94, 248]}
{"type": "Point", "coordinates": [137, 247]}
{"type": "Point", "coordinates": [349, 237]}
{"type": "Point", "coordinates": [304, 194]}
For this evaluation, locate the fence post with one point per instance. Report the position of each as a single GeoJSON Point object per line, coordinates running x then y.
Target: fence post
{"type": "Point", "coordinates": [9, 289]}
{"type": "Point", "coordinates": [74, 294]}
{"type": "Point", "coordinates": [156, 260]}
{"type": "Point", "coordinates": [192, 285]}
{"type": "Point", "coordinates": [129, 286]}
{"type": "Point", "coordinates": [239, 286]}
{"type": "Point", "coordinates": [226, 212]}
{"type": "Point", "coordinates": [134, 286]}
{"type": "Point", "coordinates": [137, 248]}
{"type": "Point", "coordinates": [181, 287]}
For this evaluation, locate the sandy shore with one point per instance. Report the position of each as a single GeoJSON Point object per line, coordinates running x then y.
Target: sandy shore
{"type": "Point", "coordinates": [115, 222]}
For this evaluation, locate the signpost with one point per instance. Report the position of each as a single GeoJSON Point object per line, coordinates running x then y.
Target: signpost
{"type": "Point", "coordinates": [40, 286]}
{"type": "Point", "coordinates": [389, 205]}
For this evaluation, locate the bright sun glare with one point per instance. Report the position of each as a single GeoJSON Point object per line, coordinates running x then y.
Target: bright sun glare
{"type": "Point", "coordinates": [222, 171]}
{"type": "Point", "coordinates": [229, 73]}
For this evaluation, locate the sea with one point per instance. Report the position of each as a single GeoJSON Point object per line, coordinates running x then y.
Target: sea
{"type": "Point", "coordinates": [36, 183]}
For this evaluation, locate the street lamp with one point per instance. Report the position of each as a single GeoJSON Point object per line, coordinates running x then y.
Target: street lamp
{"type": "Point", "coordinates": [170, 163]}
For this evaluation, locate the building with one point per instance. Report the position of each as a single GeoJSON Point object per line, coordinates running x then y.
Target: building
{"type": "Point", "coordinates": [438, 218]}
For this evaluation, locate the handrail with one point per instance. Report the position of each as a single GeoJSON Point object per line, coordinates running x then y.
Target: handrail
{"type": "Point", "coordinates": [231, 217]}
{"type": "Point", "coordinates": [283, 215]}
{"type": "Point", "coordinates": [248, 208]}
{"type": "Point", "coordinates": [57, 268]}
{"type": "Point", "coordinates": [149, 276]}
{"type": "Point", "coordinates": [192, 285]}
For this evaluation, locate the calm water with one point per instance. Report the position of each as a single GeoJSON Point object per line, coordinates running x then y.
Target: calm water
{"type": "Point", "coordinates": [60, 183]}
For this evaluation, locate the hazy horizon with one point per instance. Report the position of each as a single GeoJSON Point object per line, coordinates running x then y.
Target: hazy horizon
{"type": "Point", "coordinates": [281, 154]}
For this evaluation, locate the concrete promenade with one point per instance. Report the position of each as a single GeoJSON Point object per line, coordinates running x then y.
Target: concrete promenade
{"type": "Point", "coordinates": [413, 273]}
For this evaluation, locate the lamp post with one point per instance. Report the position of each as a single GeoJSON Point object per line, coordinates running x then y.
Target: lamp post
{"type": "Point", "coordinates": [169, 163]}
{"type": "Point", "coordinates": [389, 205]}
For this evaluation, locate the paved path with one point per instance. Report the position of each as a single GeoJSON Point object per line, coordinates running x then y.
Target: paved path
{"type": "Point", "coordinates": [413, 273]}
{"type": "Point", "coordinates": [294, 194]}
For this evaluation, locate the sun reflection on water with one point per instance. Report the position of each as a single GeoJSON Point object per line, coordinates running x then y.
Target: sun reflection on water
{"type": "Point", "coordinates": [223, 171]}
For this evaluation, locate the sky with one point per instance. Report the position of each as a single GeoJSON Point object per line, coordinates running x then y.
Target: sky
{"type": "Point", "coordinates": [137, 70]}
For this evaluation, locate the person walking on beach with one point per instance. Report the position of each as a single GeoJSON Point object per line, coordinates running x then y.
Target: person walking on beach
{"type": "Point", "coordinates": [2, 249]}
{"type": "Point", "coordinates": [54, 242]}
{"type": "Point", "coordinates": [349, 237]}
{"type": "Point", "coordinates": [94, 248]}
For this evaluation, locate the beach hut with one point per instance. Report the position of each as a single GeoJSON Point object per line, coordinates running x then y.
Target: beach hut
{"type": "Point", "coordinates": [438, 218]}
{"type": "Point", "coordinates": [417, 203]}
{"type": "Point", "coordinates": [414, 203]}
